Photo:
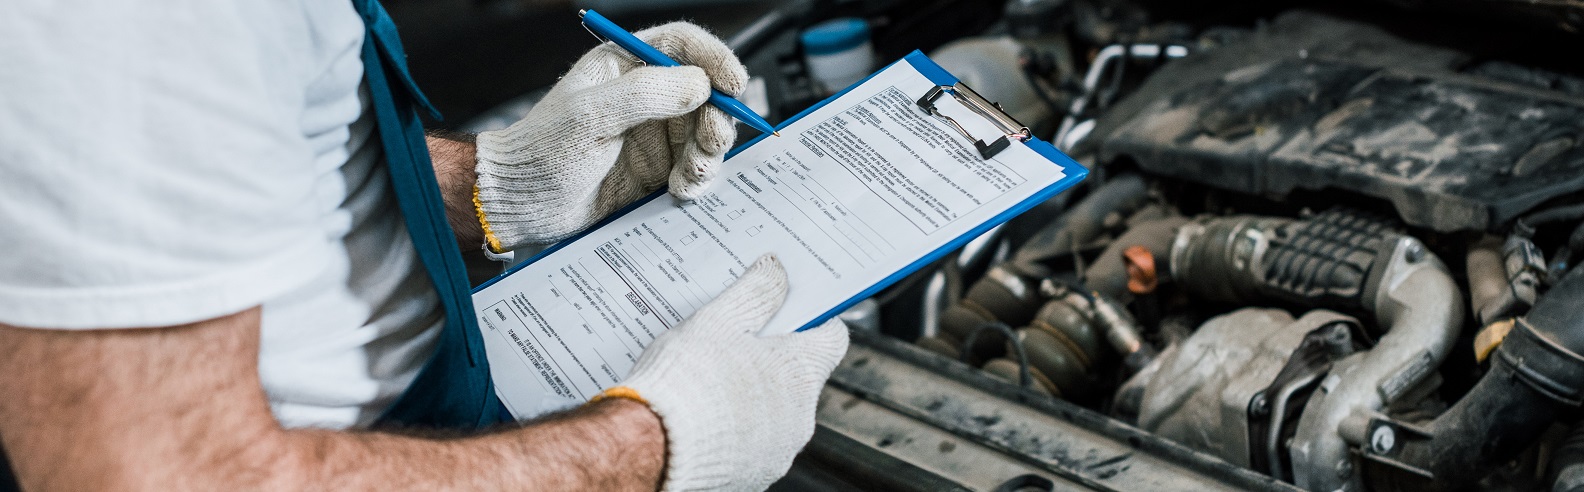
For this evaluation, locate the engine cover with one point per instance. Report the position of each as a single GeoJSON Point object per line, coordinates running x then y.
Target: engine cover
{"type": "Point", "coordinates": [1311, 102]}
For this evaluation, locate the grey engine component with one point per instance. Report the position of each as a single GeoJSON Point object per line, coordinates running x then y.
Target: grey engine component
{"type": "Point", "coordinates": [1315, 103]}
{"type": "Point", "coordinates": [1257, 360]}
{"type": "Point", "coordinates": [1235, 388]}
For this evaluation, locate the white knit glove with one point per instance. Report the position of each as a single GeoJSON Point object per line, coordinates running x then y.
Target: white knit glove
{"type": "Point", "coordinates": [736, 406]}
{"type": "Point", "coordinates": [610, 132]}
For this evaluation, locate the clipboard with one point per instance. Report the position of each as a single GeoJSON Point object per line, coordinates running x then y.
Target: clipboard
{"type": "Point", "coordinates": [926, 178]}
{"type": "Point", "coordinates": [946, 85]}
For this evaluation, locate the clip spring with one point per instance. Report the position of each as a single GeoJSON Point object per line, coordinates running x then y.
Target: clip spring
{"type": "Point", "coordinates": [1010, 128]}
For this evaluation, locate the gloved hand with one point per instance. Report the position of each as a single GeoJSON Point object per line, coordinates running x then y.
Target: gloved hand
{"type": "Point", "coordinates": [736, 406]}
{"type": "Point", "coordinates": [611, 131]}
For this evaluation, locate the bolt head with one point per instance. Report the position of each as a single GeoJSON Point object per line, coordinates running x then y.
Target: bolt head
{"type": "Point", "coordinates": [1344, 468]}
{"type": "Point", "coordinates": [1383, 439]}
{"type": "Point", "coordinates": [1414, 253]}
{"type": "Point", "coordinates": [1339, 334]}
{"type": "Point", "coordinates": [1259, 406]}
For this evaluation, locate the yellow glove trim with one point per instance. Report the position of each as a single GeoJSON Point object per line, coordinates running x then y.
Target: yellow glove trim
{"type": "Point", "coordinates": [489, 235]}
{"type": "Point", "coordinates": [619, 392]}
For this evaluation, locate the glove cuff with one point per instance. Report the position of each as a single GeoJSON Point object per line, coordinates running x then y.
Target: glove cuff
{"type": "Point", "coordinates": [518, 193]}
{"type": "Point", "coordinates": [491, 242]}
{"type": "Point", "coordinates": [700, 442]}
{"type": "Point", "coordinates": [618, 392]}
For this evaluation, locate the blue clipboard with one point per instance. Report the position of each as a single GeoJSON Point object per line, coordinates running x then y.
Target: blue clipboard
{"type": "Point", "coordinates": [1073, 173]}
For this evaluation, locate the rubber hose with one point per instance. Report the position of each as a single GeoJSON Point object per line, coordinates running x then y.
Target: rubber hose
{"type": "Point", "coordinates": [1063, 346]}
{"type": "Point", "coordinates": [1557, 315]}
{"type": "Point", "coordinates": [1108, 275]}
{"type": "Point", "coordinates": [998, 296]}
{"type": "Point", "coordinates": [1537, 375]}
{"type": "Point", "coordinates": [1558, 214]}
{"type": "Point", "coordinates": [1488, 427]}
{"type": "Point", "coordinates": [1083, 224]}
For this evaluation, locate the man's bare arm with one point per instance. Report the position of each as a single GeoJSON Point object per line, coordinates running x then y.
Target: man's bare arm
{"type": "Point", "coordinates": [181, 408]}
{"type": "Point", "coordinates": [454, 159]}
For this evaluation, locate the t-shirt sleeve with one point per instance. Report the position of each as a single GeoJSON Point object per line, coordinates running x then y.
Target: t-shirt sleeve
{"type": "Point", "coordinates": [153, 171]}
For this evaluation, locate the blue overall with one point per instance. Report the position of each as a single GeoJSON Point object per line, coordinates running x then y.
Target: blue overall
{"type": "Point", "coordinates": [453, 390]}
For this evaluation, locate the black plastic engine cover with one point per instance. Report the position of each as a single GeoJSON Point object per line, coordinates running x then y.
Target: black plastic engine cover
{"type": "Point", "coordinates": [1312, 102]}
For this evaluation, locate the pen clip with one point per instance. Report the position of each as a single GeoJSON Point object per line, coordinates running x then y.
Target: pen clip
{"type": "Point", "coordinates": [602, 40]}
{"type": "Point", "coordinates": [596, 35]}
{"type": "Point", "coordinates": [1009, 127]}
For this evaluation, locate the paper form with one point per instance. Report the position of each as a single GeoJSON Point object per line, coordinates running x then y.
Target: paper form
{"type": "Point", "coordinates": [849, 195]}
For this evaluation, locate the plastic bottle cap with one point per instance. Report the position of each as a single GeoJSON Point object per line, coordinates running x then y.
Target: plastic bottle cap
{"type": "Point", "coordinates": [835, 35]}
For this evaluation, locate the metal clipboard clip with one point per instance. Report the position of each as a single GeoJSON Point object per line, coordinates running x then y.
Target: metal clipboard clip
{"type": "Point", "coordinates": [1010, 128]}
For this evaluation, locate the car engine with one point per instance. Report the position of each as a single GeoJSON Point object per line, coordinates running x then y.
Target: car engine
{"type": "Point", "coordinates": [1313, 253]}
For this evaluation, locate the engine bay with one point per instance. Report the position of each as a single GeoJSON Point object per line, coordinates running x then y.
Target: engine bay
{"type": "Point", "coordinates": [1316, 251]}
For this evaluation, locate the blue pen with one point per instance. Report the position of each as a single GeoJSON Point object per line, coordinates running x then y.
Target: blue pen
{"type": "Point", "coordinates": [604, 28]}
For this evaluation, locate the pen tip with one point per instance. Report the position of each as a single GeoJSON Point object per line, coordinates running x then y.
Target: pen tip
{"type": "Point", "coordinates": [776, 133]}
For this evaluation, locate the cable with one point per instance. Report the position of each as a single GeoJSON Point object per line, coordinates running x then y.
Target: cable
{"type": "Point", "coordinates": [1564, 213]}
{"type": "Point", "coordinates": [1024, 378]}
{"type": "Point", "coordinates": [1030, 60]}
{"type": "Point", "coordinates": [1562, 261]}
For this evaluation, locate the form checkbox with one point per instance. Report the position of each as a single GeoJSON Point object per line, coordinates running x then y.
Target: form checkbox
{"type": "Point", "coordinates": [734, 215]}
{"type": "Point", "coordinates": [754, 231]}
{"type": "Point", "coordinates": [688, 239]}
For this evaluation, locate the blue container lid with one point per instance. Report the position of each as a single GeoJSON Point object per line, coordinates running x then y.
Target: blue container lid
{"type": "Point", "coordinates": [835, 35]}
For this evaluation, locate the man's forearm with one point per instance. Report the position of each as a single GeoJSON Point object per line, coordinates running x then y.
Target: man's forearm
{"type": "Point", "coordinates": [454, 158]}
{"type": "Point", "coordinates": [610, 445]}
{"type": "Point", "coordinates": [181, 408]}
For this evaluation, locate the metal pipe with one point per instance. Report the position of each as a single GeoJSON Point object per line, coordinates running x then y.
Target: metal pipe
{"type": "Point", "coordinates": [1486, 277]}
{"type": "Point", "coordinates": [1419, 303]}
{"type": "Point", "coordinates": [930, 309]}
{"type": "Point", "coordinates": [1123, 333]}
{"type": "Point", "coordinates": [750, 39]}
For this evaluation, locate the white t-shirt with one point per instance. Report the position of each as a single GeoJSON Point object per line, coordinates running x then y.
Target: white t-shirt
{"type": "Point", "coordinates": [171, 163]}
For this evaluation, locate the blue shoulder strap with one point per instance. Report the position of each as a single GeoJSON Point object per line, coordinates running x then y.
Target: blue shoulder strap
{"type": "Point", "coordinates": [453, 390]}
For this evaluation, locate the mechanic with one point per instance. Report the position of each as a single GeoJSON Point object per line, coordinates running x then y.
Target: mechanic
{"type": "Point", "coordinates": [210, 279]}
